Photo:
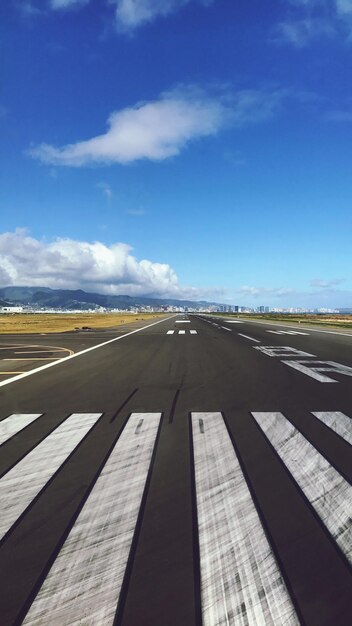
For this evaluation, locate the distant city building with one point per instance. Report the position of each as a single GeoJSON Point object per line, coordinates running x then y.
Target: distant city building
{"type": "Point", "coordinates": [11, 309]}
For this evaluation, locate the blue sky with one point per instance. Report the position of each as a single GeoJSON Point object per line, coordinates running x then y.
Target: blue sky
{"type": "Point", "coordinates": [195, 148]}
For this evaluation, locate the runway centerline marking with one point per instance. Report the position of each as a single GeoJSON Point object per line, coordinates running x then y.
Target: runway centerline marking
{"type": "Point", "coordinates": [250, 338]}
{"type": "Point", "coordinates": [13, 424]}
{"type": "Point", "coordinates": [224, 327]}
{"type": "Point", "coordinates": [21, 484]}
{"type": "Point", "coordinates": [77, 354]}
{"type": "Point", "coordinates": [240, 578]}
{"type": "Point", "coordinates": [85, 580]}
{"type": "Point", "coordinates": [327, 491]}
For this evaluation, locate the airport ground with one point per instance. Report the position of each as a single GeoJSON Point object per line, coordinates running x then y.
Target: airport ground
{"type": "Point", "coordinates": [194, 470]}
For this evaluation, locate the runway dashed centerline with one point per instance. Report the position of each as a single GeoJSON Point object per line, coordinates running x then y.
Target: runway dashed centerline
{"type": "Point", "coordinates": [250, 338]}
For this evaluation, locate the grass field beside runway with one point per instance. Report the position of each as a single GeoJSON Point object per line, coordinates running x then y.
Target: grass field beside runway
{"type": "Point", "coordinates": [337, 321]}
{"type": "Point", "coordinates": [64, 322]}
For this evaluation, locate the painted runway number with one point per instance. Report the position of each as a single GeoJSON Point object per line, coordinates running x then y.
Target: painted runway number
{"type": "Point", "coordinates": [282, 351]}
{"type": "Point", "coordinates": [314, 369]}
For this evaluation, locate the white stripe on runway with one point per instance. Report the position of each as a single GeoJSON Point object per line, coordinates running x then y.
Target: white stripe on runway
{"type": "Point", "coordinates": [233, 322]}
{"type": "Point", "coordinates": [183, 322]}
{"type": "Point", "coordinates": [83, 585]}
{"type": "Point", "coordinates": [327, 491]}
{"type": "Point", "coordinates": [24, 481]}
{"type": "Point", "coordinates": [170, 332]}
{"type": "Point", "coordinates": [181, 332]}
{"type": "Point", "coordinates": [193, 332]}
{"type": "Point", "coordinates": [286, 332]}
{"type": "Point", "coordinates": [15, 423]}
{"type": "Point", "coordinates": [250, 338]}
{"type": "Point", "coordinates": [339, 422]}
{"type": "Point", "coordinates": [241, 583]}
{"type": "Point", "coordinates": [224, 327]}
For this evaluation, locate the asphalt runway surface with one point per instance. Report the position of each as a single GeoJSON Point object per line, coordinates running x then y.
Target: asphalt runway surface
{"type": "Point", "coordinates": [178, 478]}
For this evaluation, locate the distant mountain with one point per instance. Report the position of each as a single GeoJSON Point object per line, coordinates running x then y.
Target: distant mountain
{"type": "Point", "coordinates": [79, 299]}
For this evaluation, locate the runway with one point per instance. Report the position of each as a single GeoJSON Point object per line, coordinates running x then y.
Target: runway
{"type": "Point", "coordinates": [193, 472]}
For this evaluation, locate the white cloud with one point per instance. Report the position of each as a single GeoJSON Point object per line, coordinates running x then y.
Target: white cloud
{"type": "Point", "coordinates": [130, 14]}
{"type": "Point", "coordinates": [133, 13]}
{"type": "Point", "coordinates": [67, 4]}
{"type": "Point", "coordinates": [308, 20]}
{"type": "Point", "coordinates": [154, 130]}
{"type": "Point", "coordinates": [160, 129]}
{"type": "Point", "coordinates": [300, 32]}
{"type": "Point", "coordinates": [325, 284]}
{"type": "Point", "coordinates": [68, 264]}
{"type": "Point", "coordinates": [106, 191]}
{"type": "Point", "coordinates": [136, 212]}
{"type": "Point", "coordinates": [344, 7]}
{"type": "Point", "coordinates": [260, 292]}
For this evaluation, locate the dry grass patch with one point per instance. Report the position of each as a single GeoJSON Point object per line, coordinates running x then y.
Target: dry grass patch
{"type": "Point", "coordinates": [63, 322]}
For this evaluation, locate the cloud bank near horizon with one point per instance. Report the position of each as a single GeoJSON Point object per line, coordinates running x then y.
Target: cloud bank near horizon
{"type": "Point", "coordinates": [68, 264]}
{"type": "Point", "coordinates": [113, 270]}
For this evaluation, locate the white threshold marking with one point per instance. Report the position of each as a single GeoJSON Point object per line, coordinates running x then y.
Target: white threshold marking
{"type": "Point", "coordinates": [181, 332]}
{"type": "Point", "coordinates": [224, 327]}
{"type": "Point", "coordinates": [14, 424]}
{"type": "Point", "coordinates": [327, 491]}
{"type": "Point", "coordinates": [193, 332]}
{"type": "Point", "coordinates": [241, 582]}
{"type": "Point", "coordinates": [84, 583]}
{"type": "Point", "coordinates": [25, 480]}
{"type": "Point", "coordinates": [338, 422]}
{"type": "Point", "coordinates": [320, 366]}
{"type": "Point", "coordinates": [170, 332]}
{"type": "Point", "coordinates": [73, 356]}
{"type": "Point", "coordinates": [250, 338]}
